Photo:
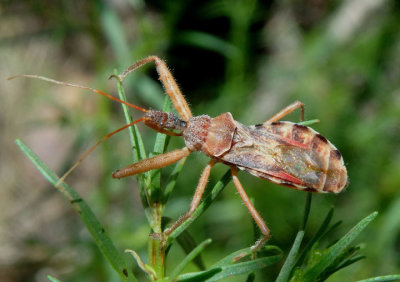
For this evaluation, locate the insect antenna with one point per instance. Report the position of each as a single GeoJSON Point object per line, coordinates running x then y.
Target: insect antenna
{"type": "Point", "coordinates": [97, 92]}
{"type": "Point", "coordinates": [78, 86]}
{"type": "Point", "coordinates": [87, 153]}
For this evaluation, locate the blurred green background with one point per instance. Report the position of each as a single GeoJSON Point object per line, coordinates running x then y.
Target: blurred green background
{"type": "Point", "coordinates": [251, 58]}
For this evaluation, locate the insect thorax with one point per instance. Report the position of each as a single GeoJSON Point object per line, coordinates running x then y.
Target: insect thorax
{"type": "Point", "coordinates": [196, 131]}
{"type": "Point", "coordinates": [213, 136]}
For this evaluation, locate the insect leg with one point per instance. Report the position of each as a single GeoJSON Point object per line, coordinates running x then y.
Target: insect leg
{"type": "Point", "coordinates": [196, 198]}
{"type": "Point", "coordinates": [168, 81]}
{"type": "Point", "coordinates": [256, 216]}
{"type": "Point", "coordinates": [155, 162]}
{"type": "Point", "coordinates": [287, 110]}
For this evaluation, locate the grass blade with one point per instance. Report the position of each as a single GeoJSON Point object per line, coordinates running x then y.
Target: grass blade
{"type": "Point", "coordinates": [114, 31]}
{"type": "Point", "coordinates": [172, 179]}
{"type": "Point", "coordinates": [394, 277]}
{"type": "Point", "coordinates": [196, 251]}
{"type": "Point", "coordinates": [161, 138]}
{"type": "Point", "coordinates": [224, 271]}
{"type": "Point", "coordinates": [245, 267]}
{"type": "Point", "coordinates": [138, 150]}
{"type": "Point", "coordinates": [307, 209]}
{"type": "Point", "coordinates": [316, 237]}
{"type": "Point", "coordinates": [290, 260]}
{"type": "Point", "coordinates": [229, 259]}
{"type": "Point", "coordinates": [98, 233]}
{"type": "Point", "coordinates": [198, 276]}
{"type": "Point", "coordinates": [349, 262]}
{"type": "Point", "coordinates": [188, 243]}
{"type": "Point", "coordinates": [209, 42]}
{"type": "Point", "coordinates": [160, 146]}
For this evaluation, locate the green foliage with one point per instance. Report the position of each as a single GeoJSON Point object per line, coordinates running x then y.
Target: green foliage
{"type": "Point", "coordinates": [323, 263]}
{"type": "Point", "coordinates": [98, 233]}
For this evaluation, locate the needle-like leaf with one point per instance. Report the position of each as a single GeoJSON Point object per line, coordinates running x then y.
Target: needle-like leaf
{"type": "Point", "coordinates": [336, 250]}
{"type": "Point", "coordinates": [98, 233]}
{"type": "Point", "coordinates": [196, 251]}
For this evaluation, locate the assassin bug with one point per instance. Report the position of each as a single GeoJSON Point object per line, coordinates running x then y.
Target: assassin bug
{"type": "Point", "coordinates": [282, 152]}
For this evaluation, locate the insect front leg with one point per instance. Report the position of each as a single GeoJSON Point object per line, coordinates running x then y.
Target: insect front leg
{"type": "Point", "coordinates": [196, 198]}
{"type": "Point", "coordinates": [155, 162]}
{"type": "Point", "coordinates": [256, 216]}
{"type": "Point", "coordinates": [168, 81]}
{"type": "Point", "coordinates": [287, 110]}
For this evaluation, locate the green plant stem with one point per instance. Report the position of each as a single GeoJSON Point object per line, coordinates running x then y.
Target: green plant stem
{"type": "Point", "coordinates": [306, 211]}
{"type": "Point", "coordinates": [156, 246]}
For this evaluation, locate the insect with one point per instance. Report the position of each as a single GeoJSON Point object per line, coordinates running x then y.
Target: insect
{"type": "Point", "coordinates": [282, 152]}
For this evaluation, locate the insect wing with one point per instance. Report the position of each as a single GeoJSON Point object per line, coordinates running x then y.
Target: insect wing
{"type": "Point", "coordinates": [288, 154]}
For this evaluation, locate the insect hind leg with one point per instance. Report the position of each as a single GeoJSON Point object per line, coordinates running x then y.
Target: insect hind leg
{"type": "Point", "coordinates": [287, 110]}
{"type": "Point", "coordinates": [256, 216]}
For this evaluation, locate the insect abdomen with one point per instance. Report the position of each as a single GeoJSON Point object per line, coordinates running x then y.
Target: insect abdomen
{"type": "Point", "coordinates": [288, 154]}
{"type": "Point", "coordinates": [329, 173]}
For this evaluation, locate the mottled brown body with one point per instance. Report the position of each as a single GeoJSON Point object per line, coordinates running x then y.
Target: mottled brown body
{"type": "Point", "coordinates": [285, 153]}
{"type": "Point", "coordinates": [282, 152]}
